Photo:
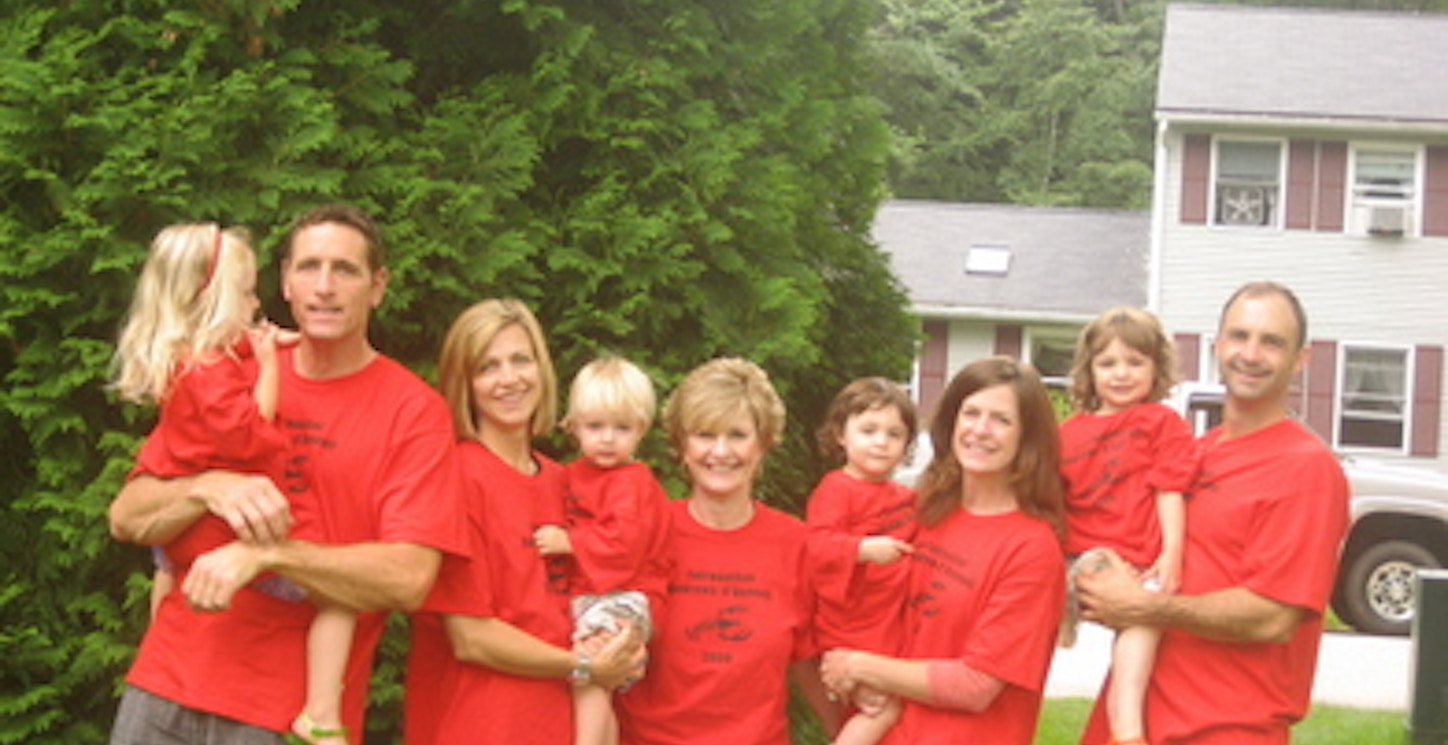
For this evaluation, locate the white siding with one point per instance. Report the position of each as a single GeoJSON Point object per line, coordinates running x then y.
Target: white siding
{"type": "Point", "coordinates": [1361, 289]}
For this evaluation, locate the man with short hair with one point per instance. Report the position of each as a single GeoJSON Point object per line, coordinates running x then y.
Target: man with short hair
{"type": "Point", "coordinates": [370, 450]}
{"type": "Point", "coordinates": [1265, 523]}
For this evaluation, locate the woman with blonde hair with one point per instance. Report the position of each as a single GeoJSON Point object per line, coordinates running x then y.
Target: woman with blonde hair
{"type": "Point", "coordinates": [739, 602]}
{"type": "Point", "coordinates": [492, 660]}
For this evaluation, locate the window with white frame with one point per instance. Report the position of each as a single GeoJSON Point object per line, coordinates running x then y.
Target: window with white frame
{"type": "Point", "coordinates": [1373, 398]}
{"type": "Point", "coordinates": [1384, 188]}
{"type": "Point", "coordinates": [1248, 180]}
{"type": "Point", "coordinates": [1208, 371]}
{"type": "Point", "coordinates": [1051, 351]}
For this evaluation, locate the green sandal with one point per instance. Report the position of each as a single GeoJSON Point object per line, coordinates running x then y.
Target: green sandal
{"type": "Point", "coordinates": [317, 733]}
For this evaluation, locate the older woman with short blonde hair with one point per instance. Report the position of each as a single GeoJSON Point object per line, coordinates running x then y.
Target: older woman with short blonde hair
{"type": "Point", "coordinates": [739, 603]}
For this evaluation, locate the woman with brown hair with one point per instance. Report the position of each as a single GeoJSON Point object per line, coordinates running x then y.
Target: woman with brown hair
{"type": "Point", "coordinates": [987, 580]}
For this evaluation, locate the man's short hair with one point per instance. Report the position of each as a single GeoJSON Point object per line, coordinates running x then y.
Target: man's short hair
{"type": "Point", "coordinates": [342, 214]}
{"type": "Point", "coordinates": [1259, 288]}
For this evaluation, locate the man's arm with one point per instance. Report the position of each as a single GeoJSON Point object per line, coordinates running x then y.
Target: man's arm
{"type": "Point", "coordinates": [357, 576]}
{"type": "Point", "coordinates": [1113, 596]}
{"type": "Point", "coordinates": [499, 645]}
{"type": "Point", "coordinates": [153, 511]}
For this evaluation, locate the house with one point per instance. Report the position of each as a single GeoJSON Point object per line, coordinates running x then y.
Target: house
{"type": "Point", "coordinates": [1311, 147]}
{"type": "Point", "coordinates": [1004, 279]}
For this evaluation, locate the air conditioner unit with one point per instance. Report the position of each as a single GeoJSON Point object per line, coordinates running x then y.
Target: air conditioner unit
{"type": "Point", "coordinates": [1387, 220]}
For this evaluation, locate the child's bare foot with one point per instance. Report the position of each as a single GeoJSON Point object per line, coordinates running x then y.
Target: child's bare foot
{"type": "Point", "coordinates": [308, 731]}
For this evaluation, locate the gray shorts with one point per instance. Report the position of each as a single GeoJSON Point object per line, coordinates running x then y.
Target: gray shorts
{"type": "Point", "coordinates": [148, 719]}
{"type": "Point", "coordinates": [593, 614]}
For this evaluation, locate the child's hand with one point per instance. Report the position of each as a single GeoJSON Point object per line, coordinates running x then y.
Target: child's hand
{"type": "Point", "coordinates": [1166, 573]}
{"type": "Point", "coordinates": [263, 337]}
{"type": "Point", "coordinates": [552, 540]}
{"type": "Point", "coordinates": [869, 701]}
{"type": "Point", "coordinates": [883, 549]}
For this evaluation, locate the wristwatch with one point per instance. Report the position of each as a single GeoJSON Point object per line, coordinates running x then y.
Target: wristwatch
{"type": "Point", "coordinates": [582, 672]}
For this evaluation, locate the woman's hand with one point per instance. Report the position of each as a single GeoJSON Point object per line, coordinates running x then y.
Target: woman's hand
{"type": "Point", "coordinates": [840, 671]}
{"type": "Point", "coordinates": [619, 660]}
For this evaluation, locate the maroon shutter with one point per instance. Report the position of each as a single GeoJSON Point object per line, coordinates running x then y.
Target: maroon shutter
{"type": "Point", "coordinates": [1196, 171]}
{"type": "Point", "coordinates": [1435, 192]}
{"type": "Point", "coordinates": [1301, 165]}
{"type": "Point", "coordinates": [1008, 340]}
{"type": "Point", "coordinates": [1189, 356]}
{"type": "Point", "coordinates": [933, 360]}
{"type": "Point", "coordinates": [1427, 400]}
{"type": "Point", "coordinates": [1331, 186]}
{"type": "Point", "coordinates": [1321, 393]}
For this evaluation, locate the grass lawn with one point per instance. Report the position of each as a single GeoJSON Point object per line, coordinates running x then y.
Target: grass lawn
{"type": "Point", "coordinates": [1063, 718]}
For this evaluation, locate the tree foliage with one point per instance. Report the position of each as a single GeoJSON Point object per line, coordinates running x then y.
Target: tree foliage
{"type": "Point", "coordinates": [1045, 102]}
{"type": "Point", "coordinates": [1019, 101]}
{"type": "Point", "coordinates": [668, 181]}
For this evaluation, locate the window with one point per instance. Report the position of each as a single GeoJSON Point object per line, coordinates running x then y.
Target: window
{"type": "Point", "coordinates": [1247, 183]}
{"type": "Point", "coordinates": [1208, 371]}
{"type": "Point", "coordinates": [1373, 400]}
{"type": "Point", "coordinates": [1052, 350]}
{"type": "Point", "coordinates": [1384, 187]}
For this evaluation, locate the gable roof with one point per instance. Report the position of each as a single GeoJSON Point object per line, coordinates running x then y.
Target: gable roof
{"type": "Point", "coordinates": [1299, 63]}
{"type": "Point", "coordinates": [1066, 264]}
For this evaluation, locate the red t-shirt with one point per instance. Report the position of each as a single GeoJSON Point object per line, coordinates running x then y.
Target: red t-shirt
{"type": "Point", "coordinates": [1268, 513]}
{"type": "Point", "coordinates": [209, 420]}
{"type": "Point", "coordinates": [449, 701]}
{"type": "Point", "coordinates": [739, 607]}
{"type": "Point", "coordinates": [618, 523]}
{"type": "Point", "coordinates": [1114, 465]}
{"type": "Point", "coordinates": [374, 451]}
{"type": "Point", "coordinates": [859, 606]}
{"type": "Point", "coordinates": [988, 590]}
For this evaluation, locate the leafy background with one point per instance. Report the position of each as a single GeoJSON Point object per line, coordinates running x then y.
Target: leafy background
{"type": "Point", "coordinates": [669, 180]}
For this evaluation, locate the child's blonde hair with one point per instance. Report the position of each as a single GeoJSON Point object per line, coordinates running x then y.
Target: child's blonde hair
{"type": "Point", "coordinates": [193, 297]}
{"type": "Point", "coordinates": [611, 386]}
{"type": "Point", "coordinates": [1136, 328]}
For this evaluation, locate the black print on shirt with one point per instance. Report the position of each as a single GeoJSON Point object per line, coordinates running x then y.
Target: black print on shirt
{"type": "Point", "coordinates": [305, 436]}
{"type": "Point", "coordinates": [947, 568]}
{"type": "Point", "coordinates": [726, 625]}
{"type": "Point", "coordinates": [1100, 491]}
{"type": "Point", "coordinates": [895, 518]}
{"type": "Point", "coordinates": [730, 621]}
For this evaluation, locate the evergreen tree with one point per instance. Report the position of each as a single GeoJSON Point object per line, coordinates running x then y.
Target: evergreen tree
{"type": "Point", "coordinates": [668, 181]}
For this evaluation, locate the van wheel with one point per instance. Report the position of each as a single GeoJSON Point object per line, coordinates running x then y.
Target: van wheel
{"type": "Point", "coordinates": [1378, 586]}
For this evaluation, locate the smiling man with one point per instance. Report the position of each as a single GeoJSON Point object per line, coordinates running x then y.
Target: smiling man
{"type": "Point", "coordinates": [368, 474]}
{"type": "Point", "coordinates": [1265, 521]}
